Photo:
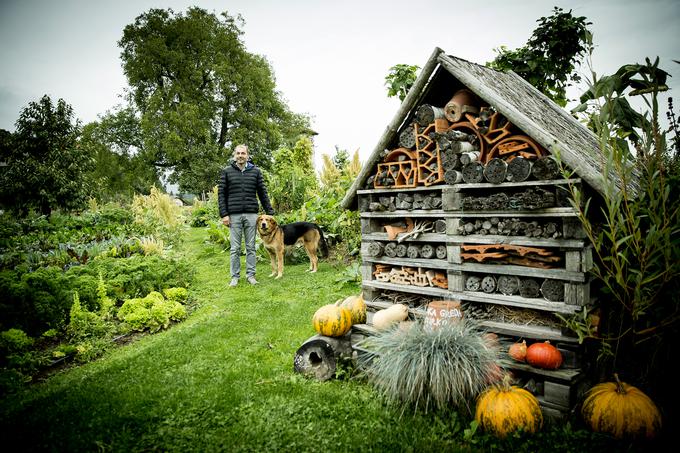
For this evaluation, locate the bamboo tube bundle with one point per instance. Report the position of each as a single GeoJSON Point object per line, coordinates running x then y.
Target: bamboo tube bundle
{"type": "Point", "coordinates": [390, 249]}
{"type": "Point", "coordinates": [453, 177]}
{"type": "Point", "coordinates": [495, 171]}
{"type": "Point", "coordinates": [546, 168]}
{"type": "Point", "coordinates": [426, 114]}
{"type": "Point", "coordinates": [553, 290]}
{"type": "Point", "coordinates": [529, 288]}
{"type": "Point", "coordinates": [440, 251]}
{"type": "Point", "coordinates": [508, 284]}
{"type": "Point", "coordinates": [473, 172]}
{"type": "Point", "coordinates": [401, 250]}
{"type": "Point", "coordinates": [519, 169]}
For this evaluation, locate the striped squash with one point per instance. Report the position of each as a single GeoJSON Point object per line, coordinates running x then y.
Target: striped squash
{"type": "Point", "coordinates": [356, 306]}
{"type": "Point", "coordinates": [503, 409]}
{"type": "Point", "coordinates": [621, 410]}
{"type": "Point", "coordinates": [332, 320]}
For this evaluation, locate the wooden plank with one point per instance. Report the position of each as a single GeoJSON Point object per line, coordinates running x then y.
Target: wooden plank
{"type": "Point", "coordinates": [548, 212]}
{"type": "Point", "coordinates": [416, 213]}
{"type": "Point", "coordinates": [426, 291]}
{"type": "Point", "coordinates": [572, 261]}
{"type": "Point", "coordinates": [424, 237]}
{"type": "Point", "coordinates": [409, 262]}
{"type": "Point", "coordinates": [503, 185]}
{"type": "Point", "coordinates": [366, 271]}
{"type": "Point", "coordinates": [559, 375]}
{"type": "Point", "coordinates": [535, 332]}
{"type": "Point", "coordinates": [450, 199]}
{"type": "Point", "coordinates": [517, 240]}
{"type": "Point", "coordinates": [558, 274]}
{"type": "Point", "coordinates": [456, 281]}
{"type": "Point", "coordinates": [393, 191]}
{"type": "Point", "coordinates": [518, 301]}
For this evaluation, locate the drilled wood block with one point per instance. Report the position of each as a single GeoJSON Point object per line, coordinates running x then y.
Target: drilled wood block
{"type": "Point", "coordinates": [452, 225]}
{"type": "Point", "coordinates": [366, 272]}
{"type": "Point", "coordinates": [450, 199]}
{"type": "Point", "coordinates": [572, 261]}
{"type": "Point", "coordinates": [577, 293]}
{"type": "Point", "coordinates": [454, 255]}
{"type": "Point", "coordinates": [456, 281]}
{"type": "Point", "coordinates": [558, 394]}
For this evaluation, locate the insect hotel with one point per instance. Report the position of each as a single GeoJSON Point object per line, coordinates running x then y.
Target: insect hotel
{"type": "Point", "coordinates": [465, 212]}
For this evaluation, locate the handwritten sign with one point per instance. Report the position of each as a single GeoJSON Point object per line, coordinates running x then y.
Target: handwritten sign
{"type": "Point", "coordinates": [442, 312]}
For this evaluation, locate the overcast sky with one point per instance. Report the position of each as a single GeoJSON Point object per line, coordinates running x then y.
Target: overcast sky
{"type": "Point", "coordinates": [330, 57]}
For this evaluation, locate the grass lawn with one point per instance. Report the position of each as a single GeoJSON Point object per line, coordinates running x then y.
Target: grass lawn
{"type": "Point", "coordinates": [223, 380]}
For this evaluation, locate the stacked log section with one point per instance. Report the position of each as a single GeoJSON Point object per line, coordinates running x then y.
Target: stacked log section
{"type": "Point", "coordinates": [495, 171]}
{"type": "Point", "coordinates": [427, 114]}
{"type": "Point", "coordinates": [546, 168]}
{"type": "Point", "coordinates": [473, 172]}
{"type": "Point", "coordinates": [511, 285]}
{"type": "Point", "coordinates": [406, 202]}
{"type": "Point", "coordinates": [393, 249]}
{"type": "Point", "coordinates": [519, 169]}
{"type": "Point", "coordinates": [523, 200]}
{"type": "Point", "coordinates": [511, 227]}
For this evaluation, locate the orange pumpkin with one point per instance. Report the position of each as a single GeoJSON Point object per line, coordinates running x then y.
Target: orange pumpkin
{"type": "Point", "coordinates": [544, 355]}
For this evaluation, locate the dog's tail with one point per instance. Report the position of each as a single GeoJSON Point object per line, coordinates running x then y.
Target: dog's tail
{"type": "Point", "coordinates": [323, 244]}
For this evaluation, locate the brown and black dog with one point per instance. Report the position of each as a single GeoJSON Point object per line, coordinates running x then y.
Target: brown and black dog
{"type": "Point", "coordinates": [276, 237]}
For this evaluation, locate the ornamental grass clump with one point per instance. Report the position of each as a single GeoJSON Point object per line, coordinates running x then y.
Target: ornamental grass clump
{"type": "Point", "coordinates": [431, 369]}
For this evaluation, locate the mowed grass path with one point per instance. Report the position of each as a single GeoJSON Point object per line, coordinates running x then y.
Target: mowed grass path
{"type": "Point", "coordinates": [222, 380]}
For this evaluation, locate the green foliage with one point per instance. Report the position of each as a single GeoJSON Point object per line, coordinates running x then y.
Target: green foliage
{"type": "Point", "coordinates": [636, 241]}
{"type": "Point", "coordinates": [197, 91]}
{"type": "Point", "coordinates": [548, 60]}
{"type": "Point", "coordinates": [157, 214]}
{"type": "Point", "coordinates": [14, 340]}
{"type": "Point", "coordinates": [431, 369]}
{"type": "Point", "coordinates": [605, 104]}
{"type": "Point", "coordinates": [46, 133]}
{"type": "Point", "coordinates": [400, 79]}
{"type": "Point", "coordinates": [152, 312]}
{"type": "Point", "coordinates": [351, 274]}
{"type": "Point", "coordinates": [84, 324]}
{"type": "Point", "coordinates": [292, 179]}
{"type": "Point", "coordinates": [115, 142]}
{"type": "Point", "coordinates": [202, 212]}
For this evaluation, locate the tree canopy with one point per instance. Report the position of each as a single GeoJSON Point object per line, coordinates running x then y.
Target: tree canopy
{"type": "Point", "coordinates": [550, 56]}
{"type": "Point", "coordinates": [45, 168]}
{"type": "Point", "coordinates": [199, 92]}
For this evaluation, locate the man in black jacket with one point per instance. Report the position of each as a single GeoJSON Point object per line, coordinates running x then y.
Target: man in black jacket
{"type": "Point", "coordinates": [241, 184]}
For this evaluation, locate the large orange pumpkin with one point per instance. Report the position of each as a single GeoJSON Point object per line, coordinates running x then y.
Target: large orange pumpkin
{"type": "Point", "coordinates": [544, 355]}
{"type": "Point", "coordinates": [503, 409]}
{"type": "Point", "coordinates": [332, 321]}
{"type": "Point", "coordinates": [621, 410]}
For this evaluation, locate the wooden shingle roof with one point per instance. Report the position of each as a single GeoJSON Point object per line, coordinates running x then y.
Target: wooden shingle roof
{"type": "Point", "coordinates": [522, 104]}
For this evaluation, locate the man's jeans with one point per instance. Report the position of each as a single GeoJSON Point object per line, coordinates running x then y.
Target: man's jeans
{"type": "Point", "coordinates": [240, 223]}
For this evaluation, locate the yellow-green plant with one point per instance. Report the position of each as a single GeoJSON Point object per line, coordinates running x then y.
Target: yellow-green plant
{"type": "Point", "coordinates": [157, 214]}
{"type": "Point", "coordinates": [152, 245]}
